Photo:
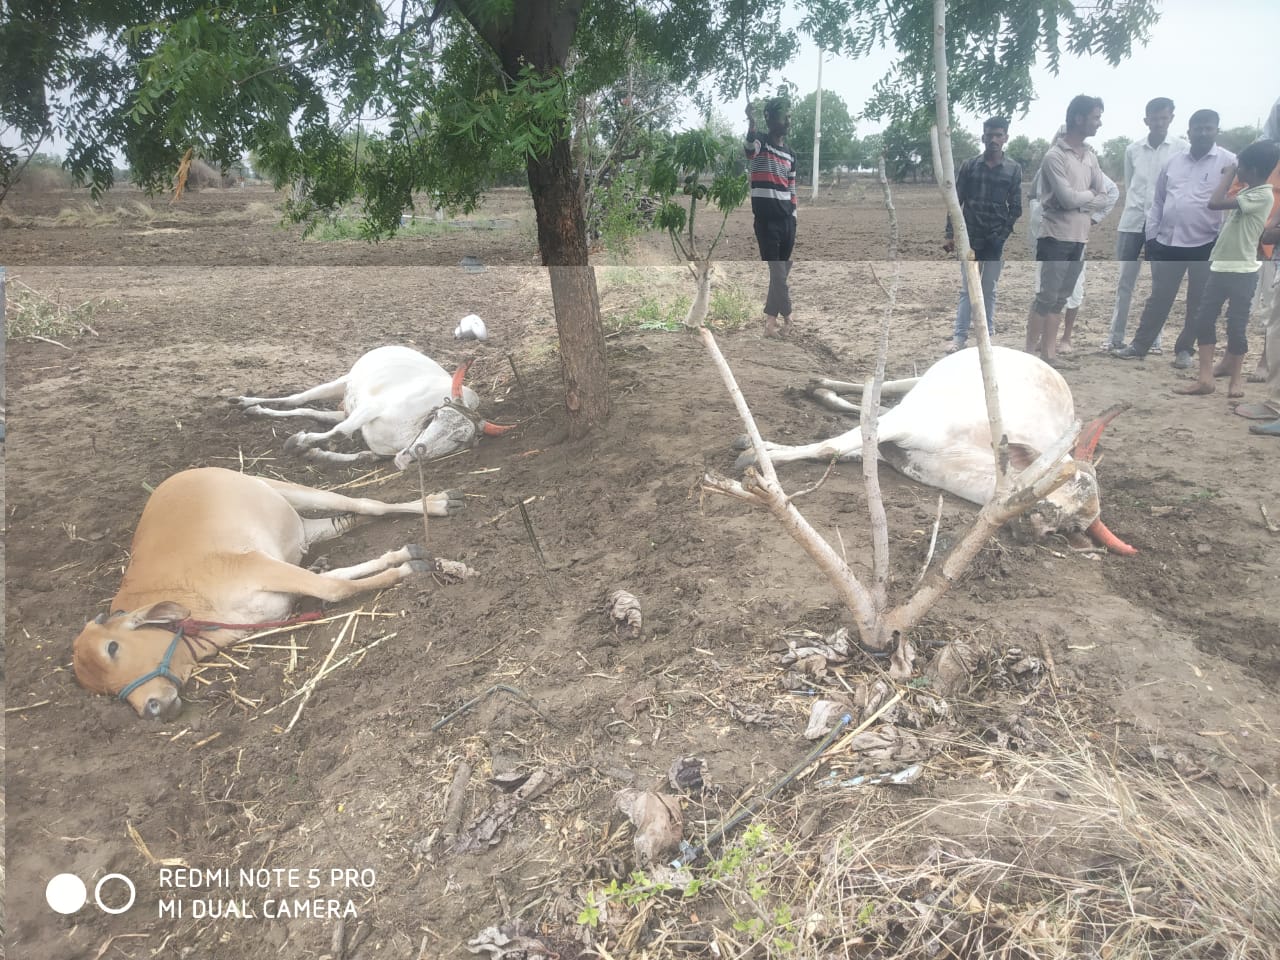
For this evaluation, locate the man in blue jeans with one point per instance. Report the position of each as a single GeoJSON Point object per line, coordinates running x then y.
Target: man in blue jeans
{"type": "Point", "coordinates": [990, 192]}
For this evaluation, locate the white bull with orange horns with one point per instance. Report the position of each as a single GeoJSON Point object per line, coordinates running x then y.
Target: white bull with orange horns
{"type": "Point", "coordinates": [404, 404]}
{"type": "Point", "coordinates": [939, 434]}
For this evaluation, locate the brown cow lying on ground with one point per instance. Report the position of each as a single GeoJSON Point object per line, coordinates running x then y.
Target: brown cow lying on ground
{"type": "Point", "coordinates": [217, 547]}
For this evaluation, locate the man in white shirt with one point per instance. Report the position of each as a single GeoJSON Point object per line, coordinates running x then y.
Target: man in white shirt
{"type": "Point", "coordinates": [1143, 161]}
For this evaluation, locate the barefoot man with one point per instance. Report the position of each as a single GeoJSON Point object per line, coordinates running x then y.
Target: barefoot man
{"type": "Point", "coordinates": [1233, 265]}
{"type": "Point", "coordinates": [773, 204]}
{"type": "Point", "coordinates": [1072, 188]}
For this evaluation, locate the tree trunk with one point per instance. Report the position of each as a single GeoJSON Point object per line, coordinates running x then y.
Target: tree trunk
{"type": "Point", "coordinates": [562, 238]}
{"type": "Point", "coordinates": [702, 300]}
{"type": "Point", "coordinates": [539, 33]}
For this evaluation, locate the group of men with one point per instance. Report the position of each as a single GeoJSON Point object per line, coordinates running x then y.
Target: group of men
{"type": "Point", "coordinates": [1196, 210]}
{"type": "Point", "coordinates": [1191, 206]}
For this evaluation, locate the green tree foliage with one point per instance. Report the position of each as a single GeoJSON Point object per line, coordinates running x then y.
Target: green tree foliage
{"type": "Point", "coordinates": [461, 89]}
{"type": "Point", "coordinates": [992, 45]}
{"type": "Point", "coordinates": [1112, 157]}
{"type": "Point", "coordinates": [864, 152]}
{"type": "Point", "coordinates": [618, 131]}
{"type": "Point", "coordinates": [1236, 139]}
{"type": "Point", "coordinates": [697, 169]}
{"type": "Point", "coordinates": [837, 133]}
{"type": "Point", "coordinates": [908, 152]}
{"type": "Point", "coordinates": [1029, 153]}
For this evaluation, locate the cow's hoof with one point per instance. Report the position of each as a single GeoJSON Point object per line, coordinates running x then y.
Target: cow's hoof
{"type": "Point", "coordinates": [742, 442]}
{"type": "Point", "coordinates": [454, 502]}
{"type": "Point", "coordinates": [295, 443]}
{"type": "Point", "coordinates": [745, 459]}
{"type": "Point", "coordinates": [415, 551]}
{"type": "Point", "coordinates": [419, 566]}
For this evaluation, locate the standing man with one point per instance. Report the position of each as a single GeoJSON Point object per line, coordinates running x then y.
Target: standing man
{"type": "Point", "coordinates": [1072, 188]}
{"type": "Point", "coordinates": [990, 191]}
{"type": "Point", "coordinates": [1181, 231]}
{"type": "Point", "coordinates": [1034, 221]}
{"type": "Point", "coordinates": [773, 204]}
{"type": "Point", "coordinates": [1143, 161]}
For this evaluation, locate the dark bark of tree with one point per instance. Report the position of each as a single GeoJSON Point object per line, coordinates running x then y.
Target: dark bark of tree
{"type": "Point", "coordinates": [539, 33]}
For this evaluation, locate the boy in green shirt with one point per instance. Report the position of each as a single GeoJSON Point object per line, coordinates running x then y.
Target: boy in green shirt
{"type": "Point", "coordinates": [1233, 265]}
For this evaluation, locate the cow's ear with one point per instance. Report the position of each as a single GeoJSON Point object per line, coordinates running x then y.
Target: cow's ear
{"type": "Point", "coordinates": [163, 612]}
{"type": "Point", "coordinates": [1021, 456]}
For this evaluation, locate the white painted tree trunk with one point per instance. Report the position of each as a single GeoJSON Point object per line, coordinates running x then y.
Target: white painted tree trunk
{"type": "Point", "coordinates": [701, 270]}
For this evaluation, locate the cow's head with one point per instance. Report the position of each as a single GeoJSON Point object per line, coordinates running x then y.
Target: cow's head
{"type": "Point", "coordinates": [451, 427]}
{"type": "Point", "coordinates": [1075, 506]}
{"type": "Point", "coordinates": [138, 656]}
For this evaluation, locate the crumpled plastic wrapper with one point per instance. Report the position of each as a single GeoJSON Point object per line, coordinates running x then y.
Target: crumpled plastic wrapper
{"type": "Point", "coordinates": [624, 610]}
{"type": "Point", "coordinates": [471, 327]}
{"type": "Point", "coordinates": [823, 717]}
{"type": "Point", "coordinates": [952, 669]}
{"type": "Point", "coordinates": [508, 942]}
{"type": "Point", "coordinates": [805, 644]}
{"type": "Point", "coordinates": [659, 823]}
{"type": "Point", "coordinates": [451, 571]}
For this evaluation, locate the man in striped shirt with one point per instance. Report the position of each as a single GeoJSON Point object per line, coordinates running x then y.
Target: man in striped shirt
{"type": "Point", "coordinates": [773, 204]}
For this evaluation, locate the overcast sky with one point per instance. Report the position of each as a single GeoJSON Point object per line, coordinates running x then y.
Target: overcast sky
{"type": "Point", "coordinates": [1219, 54]}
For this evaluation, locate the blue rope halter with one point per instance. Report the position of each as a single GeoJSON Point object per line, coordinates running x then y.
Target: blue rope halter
{"type": "Point", "coordinates": [160, 671]}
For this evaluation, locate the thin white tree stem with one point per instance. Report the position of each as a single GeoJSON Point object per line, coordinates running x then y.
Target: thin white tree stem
{"type": "Point", "coordinates": [944, 173]}
{"type": "Point", "coordinates": [1049, 471]}
{"type": "Point", "coordinates": [740, 404]}
{"type": "Point", "coordinates": [871, 421]}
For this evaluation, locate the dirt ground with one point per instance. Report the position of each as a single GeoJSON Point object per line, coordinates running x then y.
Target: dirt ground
{"type": "Point", "coordinates": [1172, 653]}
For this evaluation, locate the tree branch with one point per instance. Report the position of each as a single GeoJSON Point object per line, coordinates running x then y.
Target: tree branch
{"type": "Point", "coordinates": [1050, 470]}
{"type": "Point", "coordinates": [944, 172]}
{"type": "Point", "coordinates": [764, 490]}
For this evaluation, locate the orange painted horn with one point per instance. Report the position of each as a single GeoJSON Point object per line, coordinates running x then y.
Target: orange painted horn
{"type": "Point", "coordinates": [1105, 538]}
{"type": "Point", "coordinates": [1092, 433]}
{"type": "Point", "coordinates": [458, 376]}
{"type": "Point", "coordinates": [496, 430]}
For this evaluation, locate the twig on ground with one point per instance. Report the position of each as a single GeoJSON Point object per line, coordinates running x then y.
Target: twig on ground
{"type": "Point", "coordinates": [311, 684]}
{"type": "Point", "coordinates": [1266, 519]}
{"type": "Point", "coordinates": [933, 542]}
{"type": "Point", "coordinates": [33, 336]}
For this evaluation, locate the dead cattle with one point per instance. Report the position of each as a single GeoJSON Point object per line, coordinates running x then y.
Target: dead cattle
{"type": "Point", "coordinates": [214, 557]}
{"type": "Point", "coordinates": [939, 434]}
{"type": "Point", "coordinates": [404, 404]}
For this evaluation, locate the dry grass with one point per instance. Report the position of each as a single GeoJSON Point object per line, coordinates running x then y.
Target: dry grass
{"type": "Point", "coordinates": [1063, 855]}
{"type": "Point", "coordinates": [33, 314]}
{"type": "Point", "coordinates": [94, 215]}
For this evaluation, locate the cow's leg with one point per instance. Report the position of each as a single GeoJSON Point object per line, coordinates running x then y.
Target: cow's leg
{"type": "Point", "coordinates": [326, 501]}
{"type": "Point", "coordinates": [276, 576]}
{"type": "Point", "coordinates": [392, 558]}
{"type": "Point", "coordinates": [345, 427]}
{"type": "Point", "coordinates": [325, 528]}
{"type": "Point", "coordinates": [332, 456]}
{"type": "Point", "coordinates": [311, 413]}
{"type": "Point", "coordinates": [846, 446]}
{"type": "Point", "coordinates": [326, 391]}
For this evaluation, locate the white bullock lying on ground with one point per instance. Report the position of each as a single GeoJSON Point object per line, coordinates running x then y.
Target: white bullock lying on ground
{"type": "Point", "coordinates": [214, 558]}
{"type": "Point", "coordinates": [404, 404]}
{"type": "Point", "coordinates": [939, 434]}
